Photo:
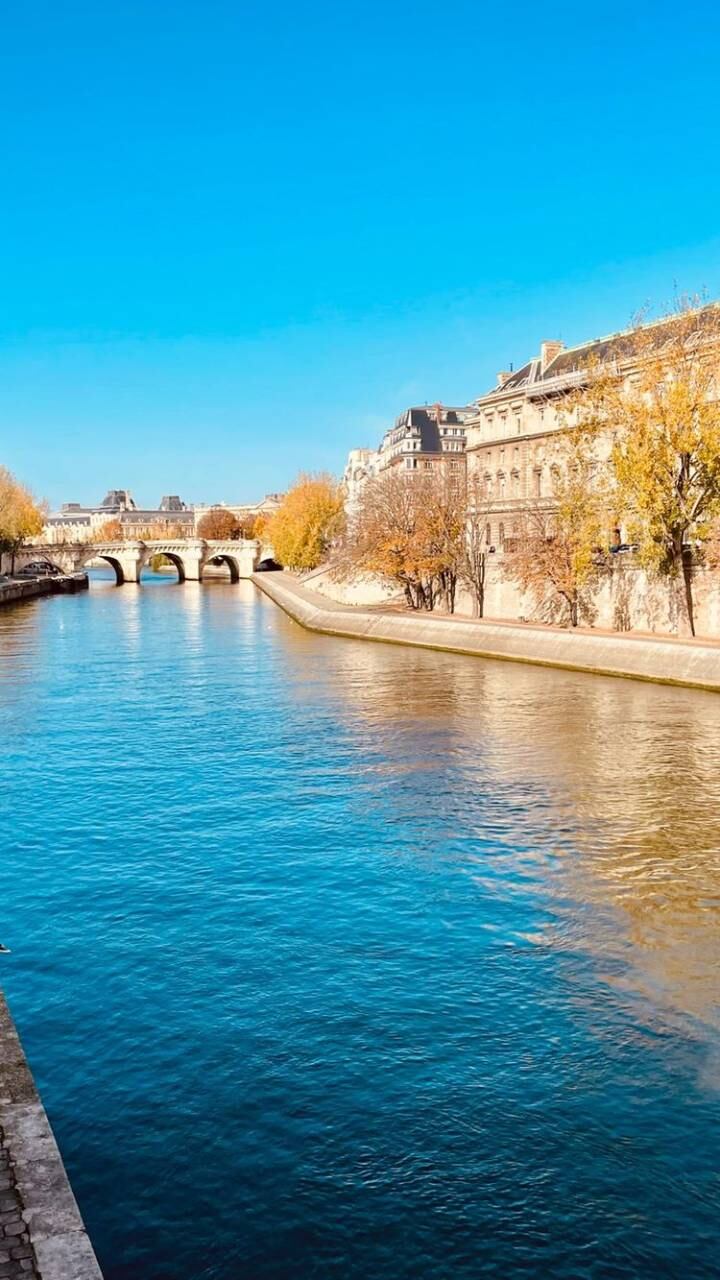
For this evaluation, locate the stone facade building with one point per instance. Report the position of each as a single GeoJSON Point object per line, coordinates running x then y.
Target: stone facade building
{"type": "Point", "coordinates": [360, 466]}
{"type": "Point", "coordinates": [267, 507]}
{"type": "Point", "coordinates": [75, 523]}
{"type": "Point", "coordinates": [422, 439]}
{"type": "Point", "coordinates": [514, 434]}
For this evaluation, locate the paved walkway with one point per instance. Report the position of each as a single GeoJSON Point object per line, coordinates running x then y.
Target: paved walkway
{"type": "Point", "coordinates": [17, 1256]}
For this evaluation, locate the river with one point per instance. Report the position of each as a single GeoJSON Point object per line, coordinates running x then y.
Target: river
{"type": "Point", "coordinates": [344, 960]}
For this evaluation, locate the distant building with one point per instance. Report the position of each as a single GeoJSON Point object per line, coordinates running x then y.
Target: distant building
{"type": "Point", "coordinates": [75, 523]}
{"type": "Point", "coordinates": [267, 507]}
{"type": "Point", "coordinates": [422, 439]}
{"type": "Point", "coordinates": [360, 466]}
{"type": "Point", "coordinates": [426, 438]}
{"type": "Point", "coordinates": [118, 500]}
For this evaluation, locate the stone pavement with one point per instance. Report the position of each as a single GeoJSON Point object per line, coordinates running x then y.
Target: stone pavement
{"type": "Point", "coordinates": [17, 1256]}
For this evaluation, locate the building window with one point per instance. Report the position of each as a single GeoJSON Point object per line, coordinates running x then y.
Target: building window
{"type": "Point", "coordinates": [488, 534]}
{"type": "Point", "coordinates": [501, 534]}
{"type": "Point", "coordinates": [537, 481]}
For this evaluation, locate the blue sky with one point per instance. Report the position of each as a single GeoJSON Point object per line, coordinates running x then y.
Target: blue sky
{"type": "Point", "coordinates": [238, 238]}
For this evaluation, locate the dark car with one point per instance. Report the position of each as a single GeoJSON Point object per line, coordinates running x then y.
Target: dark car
{"type": "Point", "coordinates": [39, 569]}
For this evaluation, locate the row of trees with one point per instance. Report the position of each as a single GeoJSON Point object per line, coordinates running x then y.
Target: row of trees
{"type": "Point", "coordinates": [21, 516]}
{"type": "Point", "coordinates": [421, 533]}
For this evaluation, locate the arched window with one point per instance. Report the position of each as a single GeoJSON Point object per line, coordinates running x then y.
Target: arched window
{"type": "Point", "coordinates": [488, 534]}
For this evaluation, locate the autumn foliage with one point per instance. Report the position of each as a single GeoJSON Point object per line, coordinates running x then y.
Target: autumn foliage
{"type": "Point", "coordinates": [21, 517]}
{"type": "Point", "coordinates": [558, 554]}
{"type": "Point", "coordinates": [412, 532]}
{"type": "Point", "coordinates": [659, 400]}
{"type": "Point", "coordinates": [220, 524]}
{"type": "Point", "coordinates": [303, 528]}
{"type": "Point", "coordinates": [110, 531]}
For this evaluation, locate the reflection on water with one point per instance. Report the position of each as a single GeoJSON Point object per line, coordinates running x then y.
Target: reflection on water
{"type": "Point", "coordinates": [380, 963]}
{"type": "Point", "coordinates": [626, 778]}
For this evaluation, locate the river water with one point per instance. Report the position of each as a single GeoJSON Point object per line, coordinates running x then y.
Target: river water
{"type": "Point", "coordinates": [335, 959]}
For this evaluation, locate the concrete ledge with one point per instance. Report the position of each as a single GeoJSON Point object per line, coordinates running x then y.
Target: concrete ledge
{"type": "Point", "coordinates": [665, 660]}
{"type": "Point", "coordinates": [44, 1204]}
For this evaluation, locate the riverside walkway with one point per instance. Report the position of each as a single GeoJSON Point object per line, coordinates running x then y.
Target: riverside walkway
{"type": "Point", "coordinates": [42, 1235]}
{"type": "Point", "coordinates": [663, 659]}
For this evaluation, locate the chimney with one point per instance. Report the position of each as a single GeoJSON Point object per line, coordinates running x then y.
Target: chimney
{"type": "Point", "coordinates": [503, 377]}
{"type": "Point", "coordinates": [548, 352]}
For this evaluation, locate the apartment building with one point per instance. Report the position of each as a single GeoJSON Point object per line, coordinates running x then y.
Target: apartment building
{"type": "Point", "coordinates": [421, 440]}
{"type": "Point", "coordinates": [514, 434]}
{"type": "Point", "coordinates": [425, 438]}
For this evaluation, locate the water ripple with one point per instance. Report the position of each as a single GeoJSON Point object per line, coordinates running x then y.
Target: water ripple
{"type": "Point", "coordinates": [344, 960]}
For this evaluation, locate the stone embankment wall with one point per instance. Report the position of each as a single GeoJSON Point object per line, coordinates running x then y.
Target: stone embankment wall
{"type": "Point", "coordinates": [42, 1236]}
{"type": "Point", "coordinates": [12, 591]}
{"type": "Point", "coordinates": [360, 591]}
{"type": "Point", "coordinates": [627, 599]}
{"type": "Point", "coordinates": [666, 659]}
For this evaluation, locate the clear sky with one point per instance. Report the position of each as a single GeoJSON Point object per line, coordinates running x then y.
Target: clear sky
{"type": "Point", "coordinates": [238, 238]}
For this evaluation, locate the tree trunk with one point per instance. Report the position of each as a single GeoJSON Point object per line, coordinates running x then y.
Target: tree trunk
{"type": "Point", "coordinates": [685, 602]}
{"type": "Point", "coordinates": [480, 589]}
{"type": "Point", "coordinates": [681, 570]}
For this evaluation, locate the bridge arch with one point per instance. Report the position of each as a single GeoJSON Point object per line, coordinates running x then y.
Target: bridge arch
{"type": "Point", "coordinates": [226, 558]}
{"type": "Point", "coordinates": [172, 556]}
{"type": "Point", "coordinates": [114, 564]}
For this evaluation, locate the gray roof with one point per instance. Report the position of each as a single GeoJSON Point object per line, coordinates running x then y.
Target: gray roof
{"type": "Point", "coordinates": [618, 346]}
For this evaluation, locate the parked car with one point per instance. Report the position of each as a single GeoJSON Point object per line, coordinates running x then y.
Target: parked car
{"type": "Point", "coordinates": [39, 569]}
{"type": "Point", "coordinates": [622, 547]}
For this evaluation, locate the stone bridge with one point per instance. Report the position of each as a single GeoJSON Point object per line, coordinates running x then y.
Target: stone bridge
{"type": "Point", "coordinates": [191, 556]}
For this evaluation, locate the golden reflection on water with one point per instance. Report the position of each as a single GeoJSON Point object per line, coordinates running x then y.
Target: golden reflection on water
{"type": "Point", "coordinates": [605, 791]}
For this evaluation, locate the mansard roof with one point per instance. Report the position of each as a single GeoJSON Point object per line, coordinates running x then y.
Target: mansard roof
{"type": "Point", "coordinates": [572, 360]}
